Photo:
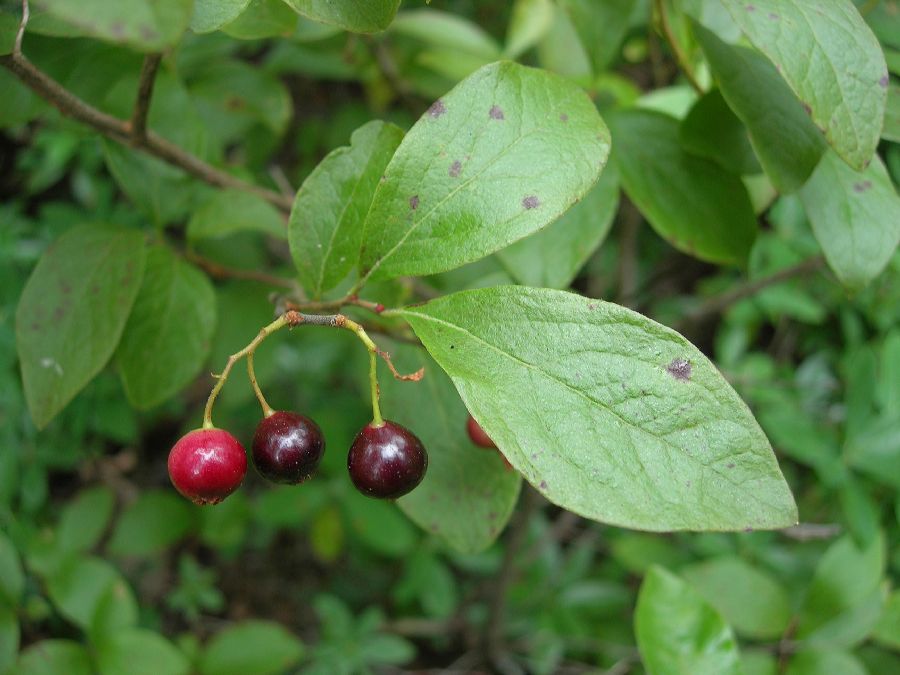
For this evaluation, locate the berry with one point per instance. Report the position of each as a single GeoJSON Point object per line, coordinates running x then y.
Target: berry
{"type": "Point", "coordinates": [287, 447]}
{"type": "Point", "coordinates": [386, 461]}
{"type": "Point", "coordinates": [478, 435]}
{"type": "Point", "coordinates": [207, 465]}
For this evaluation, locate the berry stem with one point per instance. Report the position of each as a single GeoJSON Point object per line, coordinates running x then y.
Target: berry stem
{"type": "Point", "coordinates": [349, 324]}
{"type": "Point", "coordinates": [251, 373]}
{"type": "Point", "coordinates": [277, 324]}
{"type": "Point", "coordinates": [293, 318]}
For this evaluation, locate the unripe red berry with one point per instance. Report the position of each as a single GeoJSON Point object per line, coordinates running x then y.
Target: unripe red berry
{"type": "Point", "coordinates": [207, 465]}
{"type": "Point", "coordinates": [478, 435]}
{"type": "Point", "coordinates": [287, 447]}
{"type": "Point", "coordinates": [386, 461]}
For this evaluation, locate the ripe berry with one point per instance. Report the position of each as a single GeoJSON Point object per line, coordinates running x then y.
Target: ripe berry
{"type": "Point", "coordinates": [478, 435]}
{"type": "Point", "coordinates": [287, 447]}
{"type": "Point", "coordinates": [386, 461]}
{"type": "Point", "coordinates": [207, 465]}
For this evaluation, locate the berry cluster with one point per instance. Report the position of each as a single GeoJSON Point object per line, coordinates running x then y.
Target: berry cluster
{"type": "Point", "coordinates": [206, 465]}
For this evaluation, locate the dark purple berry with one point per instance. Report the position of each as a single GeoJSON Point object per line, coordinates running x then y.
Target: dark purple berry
{"type": "Point", "coordinates": [287, 447]}
{"type": "Point", "coordinates": [386, 461]}
{"type": "Point", "coordinates": [207, 465]}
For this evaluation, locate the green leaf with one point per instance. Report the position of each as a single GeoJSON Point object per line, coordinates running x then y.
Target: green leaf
{"type": "Point", "coordinates": [601, 26]}
{"type": "Point", "coordinates": [230, 211]}
{"type": "Point", "coordinates": [561, 50]}
{"type": "Point", "coordinates": [167, 337]}
{"type": "Point", "coordinates": [259, 647]}
{"type": "Point", "coordinates": [163, 192]}
{"type": "Point", "coordinates": [84, 520]}
{"type": "Point", "coordinates": [468, 494]}
{"type": "Point", "coordinates": [855, 216]}
{"type": "Point", "coordinates": [787, 143]}
{"type": "Point", "coordinates": [232, 97]}
{"type": "Point", "coordinates": [149, 25]}
{"type": "Point", "coordinates": [831, 61]}
{"type": "Point", "coordinates": [530, 21]}
{"type": "Point", "coordinates": [825, 662]}
{"type": "Point", "coordinates": [210, 15]}
{"type": "Point", "coordinates": [442, 29]}
{"type": "Point", "coordinates": [263, 19]}
{"type": "Point", "coordinates": [10, 636]}
{"type": "Point", "coordinates": [552, 257]}
{"type": "Point", "coordinates": [359, 16]}
{"type": "Point", "coordinates": [689, 201]}
{"type": "Point", "coordinates": [326, 226]}
{"type": "Point", "coordinates": [12, 578]}
{"type": "Point", "coordinates": [750, 600]}
{"type": "Point", "coordinates": [505, 153]}
{"type": "Point", "coordinates": [887, 632]}
{"type": "Point", "coordinates": [379, 525]}
{"type": "Point", "coordinates": [52, 657]}
{"type": "Point", "coordinates": [678, 633]}
{"type": "Point", "coordinates": [82, 589]}
{"type": "Point", "coordinates": [711, 130]}
{"type": "Point", "coordinates": [151, 524]}
{"type": "Point", "coordinates": [891, 131]}
{"type": "Point", "coordinates": [72, 312]}
{"type": "Point", "coordinates": [140, 652]}
{"type": "Point", "coordinates": [846, 578]}
{"type": "Point", "coordinates": [606, 412]}
{"type": "Point", "coordinates": [386, 649]}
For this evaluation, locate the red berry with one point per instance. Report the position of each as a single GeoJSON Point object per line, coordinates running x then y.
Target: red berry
{"type": "Point", "coordinates": [207, 465]}
{"type": "Point", "coordinates": [478, 435]}
{"type": "Point", "coordinates": [287, 447]}
{"type": "Point", "coordinates": [386, 461]}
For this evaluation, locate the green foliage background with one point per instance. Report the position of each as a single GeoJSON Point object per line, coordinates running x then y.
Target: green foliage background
{"type": "Point", "coordinates": [764, 232]}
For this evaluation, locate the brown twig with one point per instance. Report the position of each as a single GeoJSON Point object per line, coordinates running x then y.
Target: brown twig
{"type": "Point", "coordinates": [680, 56]}
{"type": "Point", "coordinates": [721, 302]}
{"type": "Point", "coordinates": [120, 131]}
{"type": "Point", "coordinates": [144, 93]}
{"type": "Point", "coordinates": [218, 271]}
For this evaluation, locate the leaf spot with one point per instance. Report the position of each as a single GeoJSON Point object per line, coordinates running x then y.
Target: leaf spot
{"type": "Point", "coordinates": [730, 465]}
{"type": "Point", "coordinates": [531, 202]}
{"type": "Point", "coordinates": [563, 117]}
{"type": "Point", "coordinates": [773, 16]}
{"type": "Point", "coordinates": [862, 186]}
{"type": "Point", "coordinates": [884, 81]}
{"type": "Point", "coordinates": [437, 109]}
{"type": "Point", "coordinates": [543, 485]}
{"type": "Point", "coordinates": [750, 8]}
{"type": "Point", "coordinates": [748, 529]}
{"type": "Point", "coordinates": [414, 202]}
{"type": "Point", "coordinates": [807, 108]}
{"type": "Point", "coordinates": [48, 362]}
{"type": "Point", "coordinates": [496, 113]}
{"type": "Point", "coordinates": [455, 168]}
{"type": "Point", "coordinates": [680, 369]}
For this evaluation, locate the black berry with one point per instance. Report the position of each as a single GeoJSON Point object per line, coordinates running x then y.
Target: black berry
{"type": "Point", "coordinates": [287, 447]}
{"type": "Point", "coordinates": [386, 461]}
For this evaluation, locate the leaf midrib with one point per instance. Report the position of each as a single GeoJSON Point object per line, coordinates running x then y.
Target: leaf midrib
{"type": "Point", "coordinates": [584, 395]}
{"type": "Point", "coordinates": [539, 127]}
